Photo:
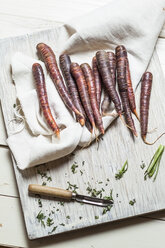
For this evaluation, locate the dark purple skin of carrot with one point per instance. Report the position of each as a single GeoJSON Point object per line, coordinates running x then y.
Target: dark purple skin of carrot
{"type": "Point", "coordinates": [43, 99]}
{"type": "Point", "coordinates": [121, 55]}
{"type": "Point", "coordinates": [105, 103]}
{"type": "Point", "coordinates": [88, 74]}
{"type": "Point", "coordinates": [65, 63]}
{"type": "Point", "coordinates": [146, 86]}
{"type": "Point", "coordinates": [103, 66]}
{"type": "Point", "coordinates": [49, 59]}
{"type": "Point", "coordinates": [83, 91]}
{"type": "Point", "coordinates": [97, 79]}
{"type": "Point", "coordinates": [131, 95]}
{"type": "Point", "coordinates": [112, 65]}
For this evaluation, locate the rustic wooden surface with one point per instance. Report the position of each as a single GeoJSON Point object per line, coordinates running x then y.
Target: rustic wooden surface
{"type": "Point", "coordinates": [10, 209]}
{"type": "Point", "coordinates": [116, 147]}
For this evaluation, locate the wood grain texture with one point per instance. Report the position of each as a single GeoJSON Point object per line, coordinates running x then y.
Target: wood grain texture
{"type": "Point", "coordinates": [60, 11]}
{"type": "Point", "coordinates": [116, 147]}
{"type": "Point", "coordinates": [131, 231]}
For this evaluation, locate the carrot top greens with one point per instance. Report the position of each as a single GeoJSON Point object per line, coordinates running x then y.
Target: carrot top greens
{"type": "Point", "coordinates": [154, 164]}
{"type": "Point", "coordinates": [122, 171]}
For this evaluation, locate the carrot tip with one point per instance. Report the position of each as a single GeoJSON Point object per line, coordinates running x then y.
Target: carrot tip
{"type": "Point", "coordinates": [135, 133]}
{"type": "Point", "coordinates": [147, 143]}
{"type": "Point", "coordinates": [102, 130]}
{"type": "Point", "coordinates": [57, 133]}
{"type": "Point", "coordinates": [136, 114]}
{"type": "Point", "coordinates": [82, 122]}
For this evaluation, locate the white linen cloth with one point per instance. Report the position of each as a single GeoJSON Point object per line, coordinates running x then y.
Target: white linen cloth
{"type": "Point", "coordinates": [134, 24]}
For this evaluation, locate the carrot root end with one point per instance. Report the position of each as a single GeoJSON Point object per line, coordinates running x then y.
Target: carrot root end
{"type": "Point", "coordinates": [136, 114]}
{"type": "Point", "coordinates": [148, 143]}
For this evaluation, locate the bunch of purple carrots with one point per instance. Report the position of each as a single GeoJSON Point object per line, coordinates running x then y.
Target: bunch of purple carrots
{"type": "Point", "coordinates": [81, 92]}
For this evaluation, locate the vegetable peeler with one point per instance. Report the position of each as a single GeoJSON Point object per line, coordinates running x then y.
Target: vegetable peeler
{"type": "Point", "coordinates": [67, 195]}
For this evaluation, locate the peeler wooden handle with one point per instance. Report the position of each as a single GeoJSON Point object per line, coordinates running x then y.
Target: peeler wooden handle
{"type": "Point", "coordinates": [50, 191]}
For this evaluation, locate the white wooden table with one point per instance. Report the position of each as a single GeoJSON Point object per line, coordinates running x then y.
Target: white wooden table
{"type": "Point", "coordinates": [20, 17]}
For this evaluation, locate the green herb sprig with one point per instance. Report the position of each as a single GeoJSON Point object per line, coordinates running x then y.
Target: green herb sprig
{"type": "Point", "coordinates": [49, 222]}
{"type": "Point", "coordinates": [154, 164]}
{"type": "Point", "coordinates": [73, 167]}
{"type": "Point", "coordinates": [41, 218]}
{"type": "Point", "coordinates": [72, 187]}
{"type": "Point", "coordinates": [122, 171]}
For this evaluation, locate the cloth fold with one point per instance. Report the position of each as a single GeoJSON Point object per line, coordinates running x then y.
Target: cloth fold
{"type": "Point", "coordinates": [136, 25]}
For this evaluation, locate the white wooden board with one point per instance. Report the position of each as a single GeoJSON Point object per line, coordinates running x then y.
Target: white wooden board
{"type": "Point", "coordinates": [102, 164]}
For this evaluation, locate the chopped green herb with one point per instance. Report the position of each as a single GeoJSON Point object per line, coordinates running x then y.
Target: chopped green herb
{"type": "Point", "coordinates": [49, 179]}
{"type": "Point", "coordinates": [108, 180]}
{"type": "Point", "coordinates": [142, 166]}
{"type": "Point", "coordinates": [62, 224]}
{"type": "Point", "coordinates": [154, 164]}
{"type": "Point", "coordinates": [73, 167]}
{"type": "Point", "coordinates": [53, 230]}
{"type": "Point", "coordinates": [57, 209]}
{"type": "Point", "coordinates": [14, 105]}
{"type": "Point", "coordinates": [96, 217]}
{"type": "Point", "coordinates": [49, 222]}
{"type": "Point", "coordinates": [110, 197]}
{"type": "Point", "coordinates": [44, 175]}
{"type": "Point", "coordinates": [94, 192]}
{"type": "Point", "coordinates": [72, 187]}
{"type": "Point", "coordinates": [80, 217]}
{"type": "Point", "coordinates": [52, 212]}
{"type": "Point", "coordinates": [83, 162]}
{"type": "Point", "coordinates": [61, 203]}
{"type": "Point", "coordinates": [81, 172]}
{"type": "Point", "coordinates": [107, 209]}
{"type": "Point", "coordinates": [122, 171]}
{"type": "Point", "coordinates": [41, 218]}
{"type": "Point", "coordinates": [39, 203]}
{"type": "Point", "coordinates": [132, 202]}
{"type": "Point", "coordinates": [68, 217]}
{"type": "Point", "coordinates": [44, 183]}
{"type": "Point", "coordinates": [100, 182]}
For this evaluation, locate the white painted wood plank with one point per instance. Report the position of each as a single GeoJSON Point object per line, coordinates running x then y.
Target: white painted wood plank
{"type": "Point", "coordinates": [97, 167]}
{"type": "Point", "coordinates": [51, 9]}
{"type": "Point", "coordinates": [2, 128]}
{"type": "Point", "coordinates": [160, 48]}
{"type": "Point", "coordinates": [7, 178]}
{"type": "Point", "coordinates": [43, 14]}
{"type": "Point", "coordinates": [162, 34]}
{"type": "Point", "coordinates": [136, 232]}
{"type": "Point", "coordinates": [19, 25]}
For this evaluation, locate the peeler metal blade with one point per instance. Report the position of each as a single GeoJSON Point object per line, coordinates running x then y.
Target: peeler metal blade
{"type": "Point", "coordinates": [91, 200]}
